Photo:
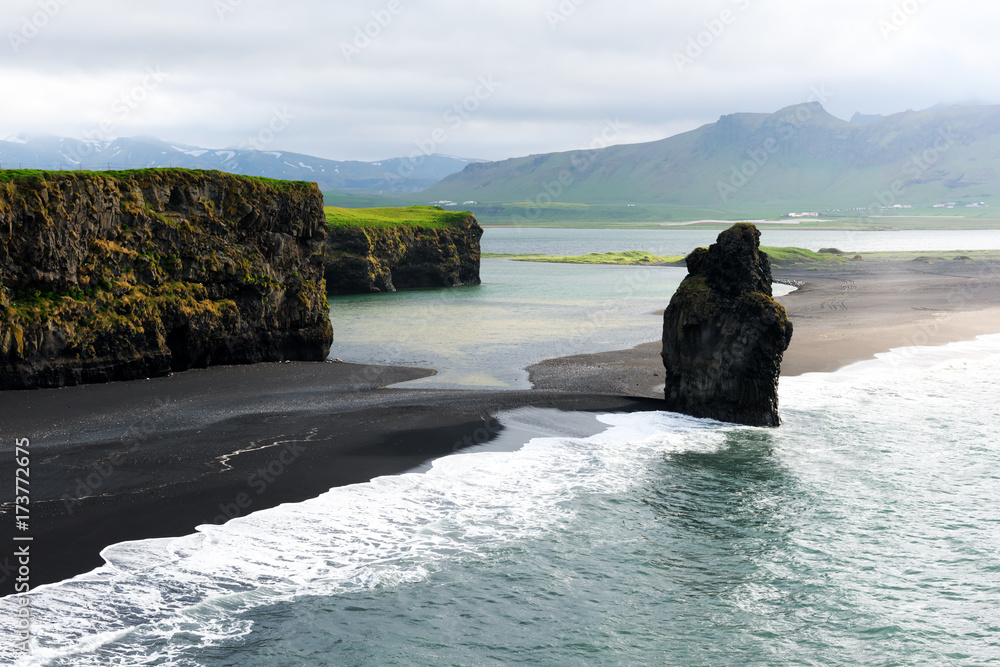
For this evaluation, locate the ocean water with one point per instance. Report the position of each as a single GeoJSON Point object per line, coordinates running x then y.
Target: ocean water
{"type": "Point", "coordinates": [864, 531]}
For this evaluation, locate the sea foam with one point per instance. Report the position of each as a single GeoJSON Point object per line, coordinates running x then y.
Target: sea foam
{"type": "Point", "coordinates": [390, 531]}
{"type": "Point", "coordinates": [396, 530]}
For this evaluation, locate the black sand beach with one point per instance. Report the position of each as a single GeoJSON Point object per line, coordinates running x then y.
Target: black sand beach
{"type": "Point", "coordinates": [156, 458]}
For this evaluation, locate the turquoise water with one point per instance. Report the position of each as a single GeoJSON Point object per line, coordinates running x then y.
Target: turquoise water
{"type": "Point", "coordinates": [864, 531]}
{"type": "Point", "coordinates": [484, 336]}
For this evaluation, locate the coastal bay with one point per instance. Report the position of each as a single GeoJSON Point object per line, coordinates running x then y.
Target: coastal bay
{"type": "Point", "coordinates": [517, 334]}
{"type": "Point", "coordinates": [144, 459]}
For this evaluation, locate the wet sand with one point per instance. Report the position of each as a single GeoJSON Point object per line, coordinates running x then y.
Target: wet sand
{"type": "Point", "coordinates": [850, 314]}
{"type": "Point", "coordinates": [842, 314]}
{"type": "Point", "coordinates": [156, 458]}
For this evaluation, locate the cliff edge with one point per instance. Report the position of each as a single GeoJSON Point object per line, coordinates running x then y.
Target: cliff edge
{"type": "Point", "coordinates": [382, 250]}
{"type": "Point", "coordinates": [724, 335]}
{"type": "Point", "coordinates": [123, 275]}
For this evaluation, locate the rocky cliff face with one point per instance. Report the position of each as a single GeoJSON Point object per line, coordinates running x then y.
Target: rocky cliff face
{"type": "Point", "coordinates": [383, 259]}
{"type": "Point", "coordinates": [724, 336]}
{"type": "Point", "coordinates": [122, 275]}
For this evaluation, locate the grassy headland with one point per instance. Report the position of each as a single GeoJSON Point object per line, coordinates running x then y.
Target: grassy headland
{"type": "Point", "coordinates": [431, 217]}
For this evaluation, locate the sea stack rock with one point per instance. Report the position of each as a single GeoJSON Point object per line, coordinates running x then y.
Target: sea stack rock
{"type": "Point", "coordinates": [724, 335]}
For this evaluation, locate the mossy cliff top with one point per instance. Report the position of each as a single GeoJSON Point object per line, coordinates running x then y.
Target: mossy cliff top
{"type": "Point", "coordinates": [114, 275]}
{"type": "Point", "coordinates": [36, 176]}
{"type": "Point", "coordinates": [429, 217]}
{"type": "Point", "coordinates": [383, 249]}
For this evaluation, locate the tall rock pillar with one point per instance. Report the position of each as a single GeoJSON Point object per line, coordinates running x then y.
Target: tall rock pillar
{"type": "Point", "coordinates": [724, 335]}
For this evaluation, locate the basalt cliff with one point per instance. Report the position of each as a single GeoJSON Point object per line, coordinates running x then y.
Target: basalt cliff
{"type": "Point", "coordinates": [383, 259]}
{"type": "Point", "coordinates": [724, 335]}
{"type": "Point", "coordinates": [124, 275]}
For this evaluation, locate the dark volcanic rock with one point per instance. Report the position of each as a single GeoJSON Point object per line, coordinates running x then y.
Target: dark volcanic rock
{"type": "Point", "coordinates": [723, 334]}
{"type": "Point", "coordinates": [376, 259]}
{"type": "Point", "coordinates": [124, 275]}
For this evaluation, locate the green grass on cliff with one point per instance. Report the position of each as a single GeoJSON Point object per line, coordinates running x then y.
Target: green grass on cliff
{"type": "Point", "coordinates": [30, 176]}
{"type": "Point", "coordinates": [432, 217]}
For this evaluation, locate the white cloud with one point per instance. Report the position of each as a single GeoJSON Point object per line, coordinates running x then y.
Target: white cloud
{"type": "Point", "coordinates": [563, 74]}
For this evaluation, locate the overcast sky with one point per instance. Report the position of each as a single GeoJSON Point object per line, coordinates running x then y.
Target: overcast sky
{"type": "Point", "coordinates": [373, 79]}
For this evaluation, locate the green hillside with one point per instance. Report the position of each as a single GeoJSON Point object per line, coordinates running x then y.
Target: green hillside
{"type": "Point", "coordinates": [798, 159]}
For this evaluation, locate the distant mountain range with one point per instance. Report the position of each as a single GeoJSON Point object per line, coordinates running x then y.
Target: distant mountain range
{"type": "Point", "coordinates": [392, 175]}
{"type": "Point", "coordinates": [799, 158]}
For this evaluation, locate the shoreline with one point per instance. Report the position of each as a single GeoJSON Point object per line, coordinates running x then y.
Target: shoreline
{"type": "Point", "coordinates": [148, 459]}
{"type": "Point", "coordinates": [842, 314]}
{"type": "Point", "coordinates": [156, 458]}
{"type": "Point", "coordinates": [850, 313]}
